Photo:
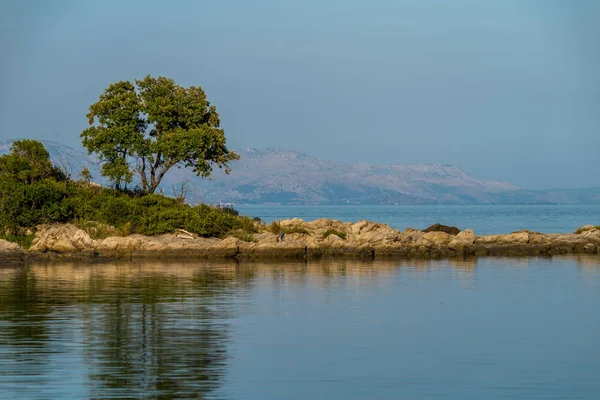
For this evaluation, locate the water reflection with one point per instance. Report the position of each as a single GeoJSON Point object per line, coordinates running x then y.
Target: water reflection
{"type": "Point", "coordinates": [165, 330]}
{"type": "Point", "coordinates": [158, 330]}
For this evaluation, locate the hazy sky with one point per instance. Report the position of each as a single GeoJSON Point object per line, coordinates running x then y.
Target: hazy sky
{"type": "Point", "coordinates": [506, 90]}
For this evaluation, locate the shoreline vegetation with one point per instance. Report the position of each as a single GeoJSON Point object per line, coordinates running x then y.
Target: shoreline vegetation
{"type": "Point", "coordinates": [45, 214]}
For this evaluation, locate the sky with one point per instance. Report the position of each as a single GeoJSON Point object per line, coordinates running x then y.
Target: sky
{"type": "Point", "coordinates": [506, 90]}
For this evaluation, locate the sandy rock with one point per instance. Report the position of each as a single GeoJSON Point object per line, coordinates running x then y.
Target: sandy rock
{"type": "Point", "coordinates": [411, 235]}
{"type": "Point", "coordinates": [265, 237]}
{"type": "Point", "coordinates": [118, 243]}
{"type": "Point", "coordinates": [438, 238]}
{"type": "Point", "coordinates": [333, 238]}
{"type": "Point", "coordinates": [373, 233]}
{"type": "Point", "coordinates": [515, 237]}
{"type": "Point", "coordinates": [592, 235]}
{"type": "Point", "coordinates": [62, 238]}
{"type": "Point", "coordinates": [7, 247]}
{"type": "Point", "coordinates": [292, 222]}
{"type": "Point", "coordinates": [321, 224]}
{"type": "Point", "coordinates": [586, 228]}
{"type": "Point", "coordinates": [464, 238]}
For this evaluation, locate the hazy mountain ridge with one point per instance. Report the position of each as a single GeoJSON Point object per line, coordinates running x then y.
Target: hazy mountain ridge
{"type": "Point", "coordinates": [274, 175]}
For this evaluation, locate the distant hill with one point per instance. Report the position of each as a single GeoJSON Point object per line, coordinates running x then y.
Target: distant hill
{"type": "Point", "coordinates": [279, 176]}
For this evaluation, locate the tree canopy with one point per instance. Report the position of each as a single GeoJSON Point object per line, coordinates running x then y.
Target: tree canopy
{"type": "Point", "coordinates": [28, 162]}
{"type": "Point", "coordinates": [145, 128]}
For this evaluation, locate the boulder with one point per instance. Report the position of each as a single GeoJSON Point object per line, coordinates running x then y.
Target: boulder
{"type": "Point", "coordinates": [62, 238]}
{"type": "Point", "coordinates": [373, 233]}
{"type": "Point", "coordinates": [411, 235]}
{"type": "Point", "coordinates": [9, 247]}
{"type": "Point", "coordinates": [438, 237]}
{"type": "Point", "coordinates": [520, 237]}
{"type": "Point", "coordinates": [451, 230]}
{"type": "Point", "coordinates": [463, 239]}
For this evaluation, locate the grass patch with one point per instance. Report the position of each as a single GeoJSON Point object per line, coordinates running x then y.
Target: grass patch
{"type": "Point", "coordinates": [22, 240]}
{"type": "Point", "coordinates": [276, 228]}
{"type": "Point", "coordinates": [328, 232]}
{"type": "Point", "coordinates": [581, 229]}
{"type": "Point", "coordinates": [295, 229]}
{"type": "Point", "coordinates": [98, 230]}
{"type": "Point", "coordinates": [245, 237]}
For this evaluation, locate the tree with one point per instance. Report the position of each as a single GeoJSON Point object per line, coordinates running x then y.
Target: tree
{"type": "Point", "coordinates": [86, 175]}
{"type": "Point", "coordinates": [28, 162]}
{"type": "Point", "coordinates": [147, 128]}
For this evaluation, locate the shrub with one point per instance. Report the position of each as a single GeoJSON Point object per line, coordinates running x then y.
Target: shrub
{"type": "Point", "coordinates": [274, 227]}
{"type": "Point", "coordinates": [33, 192]}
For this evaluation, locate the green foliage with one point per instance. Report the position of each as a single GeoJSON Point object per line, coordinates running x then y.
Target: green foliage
{"type": "Point", "coordinates": [28, 162]}
{"type": "Point", "coordinates": [33, 192]}
{"type": "Point", "coordinates": [86, 175]}
{"type": "Point", "coordinates": [21, 239]}
{"type": "Point", "coordinates": [332, 231]}
{"type": "Point", "coordinates": [24, 205]}
{"type": "Point", "coordinates": [149, 127]}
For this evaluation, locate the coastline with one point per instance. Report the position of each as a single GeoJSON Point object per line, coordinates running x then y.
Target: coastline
{"type": "Point", "coordinates": [322, 238]}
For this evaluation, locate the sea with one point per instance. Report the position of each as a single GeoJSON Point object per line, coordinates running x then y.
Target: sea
{"type": "Point", "coordinates": [485, 328]}
{"type": "Point", "coordinates": [483, 220]}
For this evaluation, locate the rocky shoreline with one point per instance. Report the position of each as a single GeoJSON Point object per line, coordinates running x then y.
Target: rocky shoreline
{"type": "Point", "coordinates": [304, 240]}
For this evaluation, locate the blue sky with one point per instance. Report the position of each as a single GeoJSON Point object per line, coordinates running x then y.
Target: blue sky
{"type": "Point", "coordinates": [507, 90]}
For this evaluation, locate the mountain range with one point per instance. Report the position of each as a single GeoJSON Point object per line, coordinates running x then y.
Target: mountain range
{"type": "Point", "coordinates": [277, 176]}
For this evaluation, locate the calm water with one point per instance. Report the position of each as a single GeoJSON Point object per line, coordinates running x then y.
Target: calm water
{"type": "Point", "coordinates": [482, 219]}
{"type": "Point", "coordinates": [485, 329]}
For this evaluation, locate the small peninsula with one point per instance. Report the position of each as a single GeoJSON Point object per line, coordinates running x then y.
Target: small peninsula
{"type": "Point", "coordinates": [304, 240]}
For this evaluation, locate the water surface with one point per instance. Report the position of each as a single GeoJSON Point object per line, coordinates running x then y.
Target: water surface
{"type": "Point", "coordinates": [482, 329]}
{"type": "Point", "coordinates": [484, 220]}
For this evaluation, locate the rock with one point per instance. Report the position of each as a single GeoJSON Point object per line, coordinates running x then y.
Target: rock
{"type": "Point", "coordinates": [592, 234]}
{"type": "Point", "coordinates": [463, 239]}
{"type": "Point", "coordinates": [266, 237]}
{"type": "Point", "coordinates": [333, 238]}
{"type": "Point", "coordinates": [451, 230]}
{"type": "Point", "coordinates": [515, 237]}
{"type": "Point", "coordinates": [62, 238]}
{"type": "Point", "coordinates": [292, 222]}
{"type": "Point", "coordinates": [411, 235]}
{"type": "Point", "coordinates": [585, 229]}
{"type": "Point", "coordinates": [373, 233]}
{"type": "Point", "coordinates": [438, 237]}
{"type": "Point", "coordinates": [8, 247]}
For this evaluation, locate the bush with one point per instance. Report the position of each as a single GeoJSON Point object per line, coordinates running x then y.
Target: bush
{"type": "Point", "coordinates": [33, 192]}
{"type": "Point", "coordinates": [24, 205]}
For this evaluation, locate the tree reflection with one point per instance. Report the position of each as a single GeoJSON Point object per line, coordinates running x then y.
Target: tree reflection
{"type": "Point", "coordinates": [153, 331]}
